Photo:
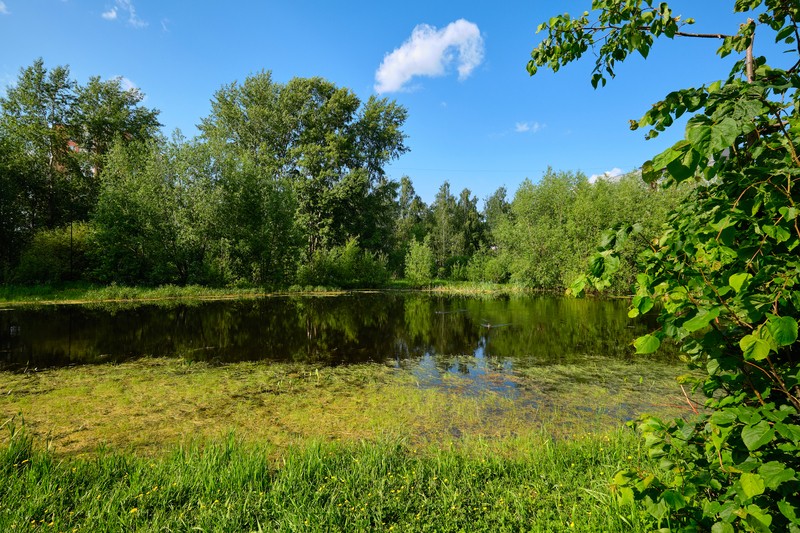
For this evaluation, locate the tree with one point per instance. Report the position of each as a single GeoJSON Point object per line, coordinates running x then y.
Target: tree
{"type": "Point", "coordinates": [37, 116]}
{"type": "Point", "coordinates": [469, 219]}
{"type": "Point", "coordinates": [411, 222]}
{"type": "Point", "coordinates": [446, 238]}
{"type": "Point", "coordinates": [318, 141]}
{"type": "Point", "coordinates": [104, 111]}
{"type": "Point", "coordinates": [157, 215]}
{"type": "Point", "coordinates": [16, 228]}
{"type": "Point", "coordinates": [534, 235]}
{"type": "Point", "coordinates": [55, 134]}
{"type": "Point", "coordinates": [420, 263]}
{"type": "Point", "coordinates": [495, 210]}
{"type": "Point", "coordinates": [725, 269]}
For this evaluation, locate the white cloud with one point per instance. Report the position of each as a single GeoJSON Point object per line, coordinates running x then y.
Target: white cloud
{"type": "Point", "coordinates": [126, 84]}
{"type": "Point", "coordinates": [3, 9]}
{"type": "Point", "coordinates": [125, 7]}
{"type": "Point", "coordinates": [431, 52]}
{"type": "Point", "coordinates": [164, 25]}
{"type": "Point", "coordinates": [524, 127]}
{"type": "Point", "coordinates": [609, 175]}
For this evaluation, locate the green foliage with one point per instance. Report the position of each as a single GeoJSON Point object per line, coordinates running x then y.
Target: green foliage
{"type": "Point", "coordinates": [345, 266]}
{"type": "Point", "coordinates": [61, 131]}
{"type": "Point", "coordinates": [487, 265]}
{"type": "Point", "coordinates": [725, 271]}
{"type": "Point", "coordinates": [553, 226]}
{"type": "Point", "coordinates": [155, 216]}
{"type": "Point", "coordinates": [319, 142]}
{"type": "Point", "coordinates": [227, 485]}
{"type": "Point", "coordinates": [57, 255]}
{"type": "Point", "coordinates": [420, 263]}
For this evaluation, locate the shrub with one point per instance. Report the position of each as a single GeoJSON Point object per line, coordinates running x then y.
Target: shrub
{"type": "Point", "coordinates": [345, 266]}
{"type": "Point", "coordinates": [420, 263]}
{"type": "Point", "coordinates": [57, 255]}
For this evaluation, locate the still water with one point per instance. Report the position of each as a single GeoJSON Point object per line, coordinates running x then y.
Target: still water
{"type": "Point", "coordinates": [519, 331]}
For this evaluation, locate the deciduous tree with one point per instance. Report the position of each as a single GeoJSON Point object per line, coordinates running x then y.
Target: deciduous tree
{"type": "Point", "coordinates": [724, 275]}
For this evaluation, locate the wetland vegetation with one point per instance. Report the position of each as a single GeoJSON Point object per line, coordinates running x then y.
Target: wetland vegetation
{"type": "Point", "coordinates": [399, 411]}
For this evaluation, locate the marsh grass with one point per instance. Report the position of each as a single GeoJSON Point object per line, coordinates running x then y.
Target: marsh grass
{"type": "Point", "coordinates": [230, 485]}
{"type": "Point", "coordinates": [171, 445]}
{"type": "Point", "coordinates": [149, 405]}
{"type": "Point", "coordinates": [86, 293]}
{"type": "Point", "coordinates": [80, 293]}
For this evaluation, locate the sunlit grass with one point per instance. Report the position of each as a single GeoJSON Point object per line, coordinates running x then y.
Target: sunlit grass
{"type": "Point", "coordinates": [167, 444]}
{"type": "Point", "coordinates": [80, 292]}
{"type": "Point", "coordinates": [389, 485]}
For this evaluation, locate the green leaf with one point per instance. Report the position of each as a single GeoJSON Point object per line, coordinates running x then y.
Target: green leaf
{"type": "Point", "coordinates": [685, 166]}
{"type": "Point", "coordinates": [698, 134]}
{"type": "Point", "coordinates": [625, 496]}
{"type": "Point", "coordinates": [783, 330]}
{"type": "Point", "coordinates": [577, 288]}
{"type": "Point", "coordinates": [754, 348]}
{"type": "Point", "coordinates": [640, 305]}
{"type": "Point", "coordinates": [789, 511]}
{"type": "Point", "coordinates": [701, 319]}
{"type": "Point", "coordinates": [758, 519]}
{"type": "Point", "coordinates": [723, 417]}
{"type": "Point", "coordinates": [789, 213]}
{"type": "Point", "coordinates": [752, 485]}
{"type": "Point", "coordinates": [754, 437]}
{"type": "Point", "coordinates": [674, 499]}
{"type": "Point", "coordinates": [779, 233]}
{"type": "Point", "coordinates": [646, 344]}
{"type": "Point", "coordinates": [722, 527]}
{"type": "Point", "coordinates": [737, 280]}
{"type": "Point", "coordinates": [650, 173]}
{"type": "Point", "coordinates": [724, 134]}
{"type": "Point", "coordinates": [774, 473]}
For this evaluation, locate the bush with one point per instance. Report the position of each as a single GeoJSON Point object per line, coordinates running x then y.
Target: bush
{"type": "Point", "coordinates": [344, 266]}
{"type": "Point", "coordinates": [57, 255]}
{"type": "Point", "coordinates": [496, 269]}
{"type": "Point", "coordinates": [420, 263]}
{"type": "Point", "coordinates": [488, 266]}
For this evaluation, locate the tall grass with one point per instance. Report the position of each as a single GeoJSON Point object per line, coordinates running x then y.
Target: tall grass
{"type": "Point", "coordinates": [81, 292]}
{"type": "Point", "coordinates": [226, 485]}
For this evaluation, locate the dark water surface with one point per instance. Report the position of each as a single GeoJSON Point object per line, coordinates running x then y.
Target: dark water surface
{"type": "Point", "coordinates": [520, 330]}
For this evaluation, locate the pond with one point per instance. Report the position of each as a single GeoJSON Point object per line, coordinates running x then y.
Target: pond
{"type": "Point", "coordinates": [416, 366]}
{"type": "Point", "coordinates": [331, 330]}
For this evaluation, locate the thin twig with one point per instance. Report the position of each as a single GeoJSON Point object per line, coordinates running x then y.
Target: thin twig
{"type": "Point", "coordinates": [688, 400]}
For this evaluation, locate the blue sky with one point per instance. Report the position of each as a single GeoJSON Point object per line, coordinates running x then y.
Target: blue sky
{"type": "Point", "coordinates": [480, 123]}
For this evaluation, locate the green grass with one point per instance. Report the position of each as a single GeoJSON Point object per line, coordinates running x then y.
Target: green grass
{"type": "Point", "coordinates": [87, 293]}
{"type": "Point", "coordinates": [531, 484]}
{"type": "Point", "coordinates": [174, 445]}
{"type": "Point", "coordinates": [83, 292]}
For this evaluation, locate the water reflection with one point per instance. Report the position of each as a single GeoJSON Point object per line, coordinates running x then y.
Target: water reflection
{"type": "Point", "coordinates": [353, 328]}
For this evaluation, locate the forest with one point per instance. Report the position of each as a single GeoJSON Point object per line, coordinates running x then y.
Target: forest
{"type": "Point", "coordinates": [285, 185]}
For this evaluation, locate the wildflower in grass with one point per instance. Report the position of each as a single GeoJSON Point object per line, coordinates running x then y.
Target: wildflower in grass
{"type": "Point", "coordinates": [134, 510]}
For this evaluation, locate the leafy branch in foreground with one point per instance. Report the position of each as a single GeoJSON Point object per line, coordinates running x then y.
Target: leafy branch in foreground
{"type": "Point", "coordinates": [724, 276]}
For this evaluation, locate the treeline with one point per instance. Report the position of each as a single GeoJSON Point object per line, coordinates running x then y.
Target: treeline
{"type": "Point", "coordinates": [284, 185]}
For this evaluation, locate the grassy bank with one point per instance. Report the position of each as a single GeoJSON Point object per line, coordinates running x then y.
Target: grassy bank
{"type": "Point", "coordinates": [85, 293]}
{"type": "Point", "coordinates": [82, 293]}
{"type": "Point", "coordinates": [171, 445]}
{"type": "Point", "coordinates": [226, 485]}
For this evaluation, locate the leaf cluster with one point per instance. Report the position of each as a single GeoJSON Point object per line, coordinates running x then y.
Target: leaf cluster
{"type": "Point", "coordinates": [724, 276]}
